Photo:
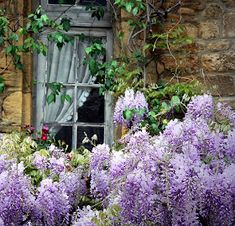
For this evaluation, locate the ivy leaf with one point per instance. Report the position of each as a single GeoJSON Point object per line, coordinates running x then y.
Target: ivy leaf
{"type": "Point", "coordinates": [129, 6]}
{"type": "Point", "coordinates": [67, 98]}
{"type": "Point", "coordinates": [135, 11]}
{"type": "Point", "coordinates": [51, 98]}
{"type": "Point", "coordinates": [165, 106]}
{"type": "Point", "coordinates": [81, 37]}
{"type": "Point", "coordinates": [65, 22]}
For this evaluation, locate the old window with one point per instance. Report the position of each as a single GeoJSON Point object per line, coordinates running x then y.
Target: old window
{"type": "Point", "coordinates": [88, 111]}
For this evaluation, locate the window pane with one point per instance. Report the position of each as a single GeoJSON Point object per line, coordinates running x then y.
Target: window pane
{"type": "Point", "coordinates": [81, 2]}
{"type": "Point", "coordinates": [64, 134]}
{"type": "Point", "coordinates": [61, 110]}
{"type": "Point", "coordinates": [90, 131]}
{"type": "Point", "coordinates": [92, 109]}
{"type": "Point", "coordinates": [68, 64]}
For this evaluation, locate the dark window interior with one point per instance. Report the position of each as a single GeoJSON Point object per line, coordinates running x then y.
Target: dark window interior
{"type": "Point", "coordinates": [81, 2]}
{"type": "Point", "coordinates": [92, 111]}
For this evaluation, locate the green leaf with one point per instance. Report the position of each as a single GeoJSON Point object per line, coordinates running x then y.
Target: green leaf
{"type": "Point", "coordinates": [88, 50]}
{"type": "Point", "coordinates": [51, 98]}
{"type": "Point", "coordinates": [129, 6]}
{"type": "Point", "coordinates": [81, 37]}
{"type": "Point", "coordinates": [65, 22]}
{"type": "Point", "coordinates": [135, 11]}
{"type": "Point", "coordinates": [128, 114]}
{"type": "Point", "coordinates": [175, 100]}
{"type": "Point", "coordinates": [165, 106]}
{"type": "Point", "coordinates": [66, 97]}
{"type": "Point", "coordinates": [2, 85]}
{"type": "Point", "coordinates": [13, 37]}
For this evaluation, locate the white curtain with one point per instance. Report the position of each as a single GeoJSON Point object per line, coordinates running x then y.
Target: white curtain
{"type": "Point", "coordinates": [66, 66]}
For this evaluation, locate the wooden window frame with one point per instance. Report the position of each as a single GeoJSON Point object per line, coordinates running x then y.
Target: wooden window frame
{"type": "Point", "coordinates": [89, 27]}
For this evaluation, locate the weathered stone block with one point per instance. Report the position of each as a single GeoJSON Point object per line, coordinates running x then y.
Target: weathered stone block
{"type": "Point", "coordinates": [219, 61]}
{"type": "Point", "coordinates": [191, 30]}
{"type": "Point", "coordinates": [213, 11]}
{"type": "Point", "coordinates": [229, 63]}
{"type": "Point", "coordinates": [195, 5]}
{"type": "Point", "coordinates": [27, 109]}
{"type": "Point", "coordinates": [186, 64]}
{"type": "Point", "coordinates": [186, 11]}
{"type": "Point", "coordinates": [12, 108]}
{"type": "Point", "coordinates": [229, 25]}
{"type": "Point", "coordinates": [12, 80]}
{"type": "Point", "coordinates": [220, 84]}
{"type": "Point", "coordinates": [209, 30]}
{"type": "Point", "coordinates": [212, 62]}
{"type": "Point", "coordinates": [218, 45]}
{"type": "Point", "coordinates": [229, 3]}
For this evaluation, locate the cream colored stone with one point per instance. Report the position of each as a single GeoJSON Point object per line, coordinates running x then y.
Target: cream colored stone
{"type": "Point", "coordinates": [209, 30]}
{"type": "Point", "coordinates": [12, 108]}
{"type": "Point", "coordinates": [213, 11]}
{"type": "Point", "coordinates": [13, 80]}
{"type": "Point", "coordinates": [229, 25]}
{"type": "Point", "coordinates": [27, 109]}
{"type": "Point", "coordinates": [212, 62]}
{"type": "Point", "coordinates": [219, 45]}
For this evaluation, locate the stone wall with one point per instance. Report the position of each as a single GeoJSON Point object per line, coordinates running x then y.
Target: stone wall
{"type": "Point", "coordinates": [211, 59]}
{"type": "Point", "coordinates": [15, 101]}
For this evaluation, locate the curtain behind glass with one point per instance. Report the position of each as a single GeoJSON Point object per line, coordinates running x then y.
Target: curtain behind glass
{"type": "Point", "coordinates": [62, 68]}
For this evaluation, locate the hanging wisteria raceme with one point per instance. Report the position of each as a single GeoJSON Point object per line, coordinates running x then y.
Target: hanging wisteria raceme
{"type": "Point", "coordinates": [99, 164]}
{"type": "Point", "coordinates": [16, 199]}
{"type": "Point", "coordinates": [133, 102]}
{"type": "Point", "coordinates": [184, 176]}
{"type": "Point", "coordinates": [52, 204]}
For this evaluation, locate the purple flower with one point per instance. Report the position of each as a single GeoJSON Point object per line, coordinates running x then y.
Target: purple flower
{"type": "Point", "coordinates": [200, 106]}
{"type": "Point", "coordinates": [84, 217]}
{"type": "Point", "coordinates": [16, 199]}
{"type": "Point", "coordinates": [57, 165]}
{"type": "Point", "coordinates": [40, 162]}
{"type": "Point", "coordinates": [130, 101]}
{"type": "Point", "coordinates": [52, 204]}
{"type": "Point", "coordinates": [99, 164]}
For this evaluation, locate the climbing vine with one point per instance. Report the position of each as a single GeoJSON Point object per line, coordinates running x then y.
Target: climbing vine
{"type": "Point", "coordinates": [146, 41]}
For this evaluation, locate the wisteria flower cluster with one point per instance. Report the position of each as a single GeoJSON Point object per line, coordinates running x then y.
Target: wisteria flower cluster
{"type": "Point", "coordinates": [184, 176]}
{"type": "Point", "coordinates": [49, 202]}
{"type": "Point", "coordinates": [130, 108]}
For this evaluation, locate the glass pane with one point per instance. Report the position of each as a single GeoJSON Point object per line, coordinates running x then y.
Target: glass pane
{"type": "Point", "coordinates": [92, 109]}
{"type": "Point", "coordinates": [90, 132]}
{"type": "Point", "coordinates": [61, 110]}
{"type": "Point", "coordinates": [64, 67]}
{"type": "Point", "coordinates": [81, 2]}
{"type": "Point", "coordinates": [64, 135]}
